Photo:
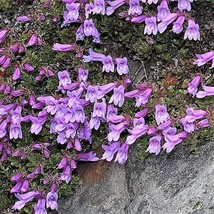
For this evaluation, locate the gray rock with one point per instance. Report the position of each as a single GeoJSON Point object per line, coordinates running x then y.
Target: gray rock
{"type": "Point", "coordinates": [176, 183]}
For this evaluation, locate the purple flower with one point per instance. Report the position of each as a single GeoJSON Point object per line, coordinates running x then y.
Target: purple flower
{"type": "Point", "coordinates": [151, 25]}
{"type": "Point", "coordinates": [3, 128]}
{"type": "Point", "coordinates": [71, 14]}
{"type": "Point", "coordinates": [203, 124]}
{"type": "Point", "coordinates": [99, 109]}
{"type": "Point", "coordinates": [90, 156]}
{"type": "Point", "coordinates": [93, 56]}
{"type": "Point", "coordinates": [14, 47]}
{"type": "Point", "coordinates": [193, 115]}
{"type": "Point", "coordinates": [134, 8]}
{"type": "Point", "coordinates": [178, 25]}
{"type": "Point", "coordinates": [143, 97]}
{"type": "Point", "coordinates": [110, 151]}
{"type": "Point", "coordinates": [37, 123]}
{"type": "Point", "coordinates": [204, 58]}
{"type": "Point", "coordinates": [51, 200]}
{"type": "Point", "coordinates": [3, 34]}
{"type": "Point", "coordinates": [138, 19]}
{"type": "Point", "coordinates": [23, 18]}
{"type": "Point", "coordinates": [122, 65]}
{"type": "Point", "coordinates": [118, 96]}
{"type": "Point", "coordinates": [33, 40]}
{"type": "Point", "coordinates": [208, 91]}
{"type": "Point", "coordinates": [154, 145]}
{"type": "Point", "coordinates": [17, 73]}
{"type": "Point", "coordinates": [80, 33]}
{"type": "Point", "coordinates": [66, 174]}
{"type": "Point", "coordinates": [39, 208]}
{"type": "Point", "coordinates": [108, 64]}
{"type": "Point", "coordinates": [184, 5]}
{"type": "Point", "coordinates": [99, 7]}
{"type": "Point", "coordinates": [188, 127]}
{"type": "Point", "coordinates": [63, 47]}
{"type": "Point", "coordinates": [161, 114]}
{"type": "Point", "coordinates": [88, 9]}
{"type": "Point", "coordinates": [95, 122]}
{"type": "Point", "coordinates": [28, 67]}
{"type": "Point", "coordinates": [82, 74]}
{"type": "Point", "coordinates": [122, 154]}
{"type": "Point", "coordinates": [92, 93]}
{"type": "Point", "coordinates": [89, 28]}
{"type": "Point", "coordinates": [163, 10]}
{"type": "Point", "coordinates": [192, 31]}
{"type": "Point", "coordinates": [193, 85]}
{"type": "Point", "coordinates": [167, 21]}
{"type": "Point", "coordinates": [23, 199]}
{"type": "Point", "coordinates": [15, 131]}
{"type": "Point", "coordinates": [113, 6]}
{"type": "Point", "coordinates": [64, 78]}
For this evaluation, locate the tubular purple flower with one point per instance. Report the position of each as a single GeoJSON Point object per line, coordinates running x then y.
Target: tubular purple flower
{"type": "Point", "coordinates": [143, 97]}
{"type": "Point", "coordinates": [99, 7]}
{"type": "Point", "coordinates": [6, 63]}
{"type": "Point", "coordinates": [71, 14]}
{"type": "Point", "coordinates": [66, 174]}
{"type": "Point", "coordinates": [23, 18]}
{"type": "Point", "coordinates": [138, 19]}
{"type": "Point", "coordinates": [80, 33]}
{"type": "Point", "coordinates": [167, 21]}
{"type": "Point", "coordinates": [28, 67]}
{"type": "Point", "coordinates": [192, 31]}
{"type": "Point", "coordinates": [134, 8]}
{"type": "Point", "coordinates": [203, 124]}
{"type": "Point", "coordinates": [3, 34]}
{"type": "Point", "coordinates": [184, 5]}
{"type": "Point", "coordinates": [108, 64]}
{"type": "Point", "coordinates": [118, 96]}
{"type": "Point", "coordinates": [15, 131]}
{"type": "Point", "coordinates": [2, 59]}
{"type": "Point", "coordinates": [90, 156]}
{"type": "Point", "coordinates": [115, 131]}
{"type": "Point", "coordinates": [17, 73]}
{"type": "Point", "coordinates": [32, 41]}
{"type": "Point", "coordinates": [151, 25]}
{"type": "Point", "coordinates": [99, 109]}
{"type": "Point", "coordinates": [204, 58]}
{"type": "Point", "coordinates": [88, 9]}
{"type": "Point", "coordinates": [193, 115]}
{"type": "Point", "coordinates": [113, 6]}
{"type": "Point", "coordinates": [14, 47]}
{"type": "Point", "coordinates": [39, 208]}
{"type": "Point", "coordinates": [142, 113]}
{"type": "Point", "coordinates": [122, 154]}
{"type": "Point", "coordinates": [63, 47]}
{"type": "Point", "coordinates": [164, 125]}
{"type": "Point", "coordinates": [82, 74]}
{"type": "Point", "coordinates": [89, 28]}
{"type": "Point", "coordinates": [110, 151]}
{"type": "Point", "coordinates": [122, 65]}
{"type": "Point", "coordinates": [193, 85]}
{"type": "Point", "coordinates": [154, 145]}
{"type": "Point", "coordinates": [64, 78]}
{"type": "Point", "coordinates": [95, 123]}
{"type": "Point", "coordinates": [188, 127]}
{"type": "Point", "coordinates": [161, 114]}
{"type": "Point", "coordinates": [178, 25]}
{"type": "Point", "coordinates": [163, 10]}
{"type": "Point", "coordinates": [51, 200]}
{"type": "Point", "coordinates": [17, 177]}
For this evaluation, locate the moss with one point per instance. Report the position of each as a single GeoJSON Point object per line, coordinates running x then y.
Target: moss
{"type": "Point", "coordinates": [5, 5]}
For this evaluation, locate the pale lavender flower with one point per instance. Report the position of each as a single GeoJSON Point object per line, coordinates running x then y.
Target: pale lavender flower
{"type": "Point", "coordinates": [23, 199]}
{"type": "Point", "coordinates": [113, 6]}
{"type": "Point", "coordinates": [3, 128]}
{"type": "Point", "coordinates": [122, 154]}
{"type": "Point", "coordinates": [138, 19]}
{"type": "Point", "coordinates": [184, 5]}
{"type": "Point", "coordinates": [82, 74]}
{"type": "Point", "coordinates": [37, 123]}
{"type": "Point", "coordinates": [167, 21]}
{"type": "Point", "coordinates": [163, 10]}
{"type": "Point", "coordinates": [118, 96]}
{"type": "Point", "coordinates": [161, 114]}
{"type": "Point", "coordinates": [89, 28]}
{"type": "Point", "coordinates": [93, 56]}
{"type": "Point", "coordinates": [51, 200]}
{"type": "Point", "coordinates": [193, 115]}
{"type": "Point", "coordinates": [6, 63]}
{"type": "Point", "coordinates": [88, 9]}
{"type": "Point", "coordinates": [122, 65]}
{"type": "Point", "coordinates": [66, 174]}
{"type": "Point", "coordinates": [192, 31]}
{"type": "Point", "coordinates": [63, 47]}
{"type": "Point", "coordinates": [90, 156]}
{"type": "Point", "coordinates": [203, 124]}
{"type": "Point", "coordinates": [91, 94]}
{"type": "Point", "coordinates": [193, 85]}
{"type": "Point", "coordinates": [14, 47]}
{"type": "Point", "coordinates": [151, 25]}
{"type": "Point", "coordinates": [143, 97]}
{"type": "Point", "coordinates": [71, 14]}
{"type": "Point", "coordinates": [15, 131]}
{"type": "Point", "coordinates": [110, 151]}
{"type": "Point", "coordinates": [99, 109]}
{"type": "Point", "coordinates": [99, 7]}
{"type": "Point", "coordinates": [95, 122]}
{"type": "Point", "coordinates": [28, 67]}
{"type": "Point", "coordinates": [64, 78]}
{"type": "Point", "coordinates": [39, 208]}
{"type": "Point", "coordinates": [111, 112]}
{"type": "Point", "coordinates": [188, 127]}
{"type": "Point", "coordinates": [154, 145]}
{"type": "Point", "coordinates": [134, 8]}
{"type": "Point", "coordinates": [151, 1]}
{"type": "Point", "coordinates": [204, 58]}
{"type": "Point", "coordinates": [178, 25]}
{"type": "Point", "coordinates": [108, 64]}
{"type": "Point", "coordinates": [80, 33]}
{"type": "Point", "coordinates": [208, 91]}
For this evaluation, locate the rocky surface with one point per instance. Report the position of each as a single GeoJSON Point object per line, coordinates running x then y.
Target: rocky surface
{"type": "Point", "coordinates": [180, 183]}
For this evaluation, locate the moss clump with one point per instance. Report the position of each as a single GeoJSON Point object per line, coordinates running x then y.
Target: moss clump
{"type": "Point", "coordinates": [5, 5]}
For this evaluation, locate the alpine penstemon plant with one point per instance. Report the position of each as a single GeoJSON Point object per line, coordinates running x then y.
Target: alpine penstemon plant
{"type": "Point", "coordinates": [72, 114]}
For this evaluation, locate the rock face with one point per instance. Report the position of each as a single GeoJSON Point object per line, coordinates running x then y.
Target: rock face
{"type": "Point", "coordinates": [177, 183]}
